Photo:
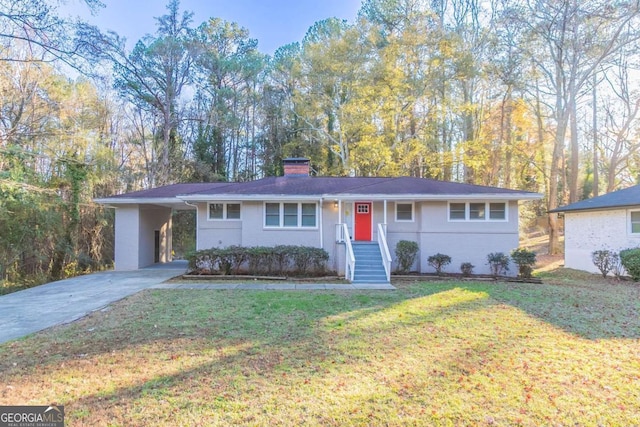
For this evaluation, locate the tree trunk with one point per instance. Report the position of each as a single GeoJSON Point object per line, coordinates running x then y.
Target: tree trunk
{"type": "Point", "coordinates": [574, 162]}
{"type": "Point", "coordinates": [596, 175]}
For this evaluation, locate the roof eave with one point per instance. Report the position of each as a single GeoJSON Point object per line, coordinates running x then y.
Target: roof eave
{"type": "Point", "coordinates": [364, 196]}
{"type": "Point", "coordinates": [439, 197]}
{"type": "Point", "coordinates": [137, 200]}
{"type": "Point", "coordinates": [596, 208]}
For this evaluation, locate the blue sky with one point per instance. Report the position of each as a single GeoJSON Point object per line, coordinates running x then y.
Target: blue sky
{"type": "Point", "coordinates": [273, 22]}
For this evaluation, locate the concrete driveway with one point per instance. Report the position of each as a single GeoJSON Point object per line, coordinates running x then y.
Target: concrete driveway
{"type": "Point", "coordinates": [34, 309]}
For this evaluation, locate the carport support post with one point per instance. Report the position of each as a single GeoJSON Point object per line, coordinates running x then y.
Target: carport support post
{"type": "Point", "coordinates": [127, 241]}
{"type": "Point", "coordinates": [135, 235]}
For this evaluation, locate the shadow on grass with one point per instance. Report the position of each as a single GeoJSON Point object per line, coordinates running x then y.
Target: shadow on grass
{"type": "Point", "coordinates": [271, 336]}
{"type": "Point", "coordinates": [584, 305]}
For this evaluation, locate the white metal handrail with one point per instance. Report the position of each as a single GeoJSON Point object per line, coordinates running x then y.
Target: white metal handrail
{"type": "Point", "coordinates": [384, 249]}
{"type": "Point", "coordinates": [342, 236]}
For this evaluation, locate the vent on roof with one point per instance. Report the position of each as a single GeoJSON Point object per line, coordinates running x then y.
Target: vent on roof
{"type": "Point", "coordinates": [296, 166]}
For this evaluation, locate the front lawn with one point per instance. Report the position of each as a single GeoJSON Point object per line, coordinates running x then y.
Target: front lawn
{"type": "Point", "coordinates": [447, 353]}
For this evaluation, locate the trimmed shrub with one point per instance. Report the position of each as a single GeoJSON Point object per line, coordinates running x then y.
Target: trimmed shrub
{"type": "Point", "coordinates": [439, 261]}
{"type": "Point", "coordinates": [498, 263]}
{"type": "Point", "coordinates": [258, 260]}
{"type": "Point", "coordinates": [406, 252]}
{"type": "Point", "coordinates": [630, 260]}
{"type": "Point", "coordinates": [279, 259]}
{"type": "Point", "coordinates": [605, 260]}
{"type": "Point", "coordinates": [525, 260]}
{"type": "Point", "coordinates": [467, 269]}
{"type": "Point", "coordinates": [204, 261]}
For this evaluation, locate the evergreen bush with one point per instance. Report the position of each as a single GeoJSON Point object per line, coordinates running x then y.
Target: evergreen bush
{"type": "Point", "coordinates": [467, 269]}
{"type": "Point", "coordinates": [406, 252]}
{"type": "Point", "coordinates": [439, 261]}
{"type": "Point", "coordinates": [257, 260]}
{"type": "Point", "coordinates": [498, 263]}
{"type": "Point", "coordinates": [525, 260]}
{"type": "Point", "coordinates": [630, 259]}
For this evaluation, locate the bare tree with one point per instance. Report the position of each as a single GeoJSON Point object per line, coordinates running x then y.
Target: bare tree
{"type": "Point", "coordinates": [47, 37]}
{"type": "Point", "coordinates": [570, 40]}
{"type": "Point", "coordinates": [620, 138]}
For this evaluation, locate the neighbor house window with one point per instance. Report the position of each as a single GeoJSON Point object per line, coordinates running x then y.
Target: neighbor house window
{"type": "Point", "coordinates": [404, 211]}
{"type": "Point", "coordinates": [635, 222]}
{"type": "Point", "coordinates": [292, 215]}
{"type": "Point", "coordinates": [477, 211]}
{"type": "Point", "coordinates": [222, 211]}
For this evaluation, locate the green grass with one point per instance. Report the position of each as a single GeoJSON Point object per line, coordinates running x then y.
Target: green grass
{"type": "Point", "coordinates": [448, 353]}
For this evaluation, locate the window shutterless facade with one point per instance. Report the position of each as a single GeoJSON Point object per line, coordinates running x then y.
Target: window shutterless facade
{"type": "Point", "coordinates": [404, 212]}
{"type": "Point", "coordinates": [221, 211]}
{"type": "Point", "coordinates": [477, 211]}
{"type": "Point", "coordinates": [290, 215]}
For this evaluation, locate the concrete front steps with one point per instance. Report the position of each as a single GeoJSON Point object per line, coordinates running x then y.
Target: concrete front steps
{"type": "Point", "coordinates": [369, 268]}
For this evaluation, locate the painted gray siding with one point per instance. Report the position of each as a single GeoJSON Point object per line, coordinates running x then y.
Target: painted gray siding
{"type": "Point", "coordinates": [127, 226]}
{"type": "Point", "coordinates": [464, 241]}
{"type": "Point", "coordinates": [152, 219]}
{"type": "Point", "coordinates": [218, 233]}
{"type": "Point", "coordinates": [135, 228]}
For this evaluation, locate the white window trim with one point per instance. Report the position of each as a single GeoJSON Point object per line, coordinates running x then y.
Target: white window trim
{"type": "Point", "coordinates": [413, 211]}
{"type": "Point", "coordinates": [281, 225]}
{"type": "Point", "coordinates": [224, 211]}
{"type": "Point", "coordinates": [487, 210]}
{"type": "Point", "coordinates": [630, 224]}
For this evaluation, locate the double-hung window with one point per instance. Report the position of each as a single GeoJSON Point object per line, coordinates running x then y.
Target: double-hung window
{"type": "Point", "coordinates": [634, 217]}
{"type": "Point", "coordinates": [290, 214]}
{"type": "Point", "coordinates": [477, 211]}
{"type": "Point", "coordinates": [404, 212]}
{"type": "Point", "coordinates": [224, 211]}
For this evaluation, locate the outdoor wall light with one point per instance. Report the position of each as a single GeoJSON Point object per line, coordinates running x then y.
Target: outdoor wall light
{"type": "Point", "coordinates": [335, 204]}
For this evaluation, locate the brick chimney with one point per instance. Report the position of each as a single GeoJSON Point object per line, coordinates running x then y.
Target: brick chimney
{"type": "Point", "coordinates": [296, 166]}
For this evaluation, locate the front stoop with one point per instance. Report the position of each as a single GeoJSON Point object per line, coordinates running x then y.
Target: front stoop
{"type": "Point", "coordinates": [369, 269]}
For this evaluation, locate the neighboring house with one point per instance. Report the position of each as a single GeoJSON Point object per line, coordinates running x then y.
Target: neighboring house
{"type": "Point", "coordinates": [343, 215]}
{"type": "Point", "coordinates": [610, 221]}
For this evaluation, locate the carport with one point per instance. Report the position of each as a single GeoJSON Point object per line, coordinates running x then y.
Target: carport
{"type": "Point", "coordinates": [143, 226]}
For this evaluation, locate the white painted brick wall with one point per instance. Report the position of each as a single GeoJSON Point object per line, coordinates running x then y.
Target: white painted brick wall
{"type": "Point", "coordinates": [589, 231]}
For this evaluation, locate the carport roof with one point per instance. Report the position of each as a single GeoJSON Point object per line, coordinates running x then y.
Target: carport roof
{"type": "Point", "coordinates": [319, 187]}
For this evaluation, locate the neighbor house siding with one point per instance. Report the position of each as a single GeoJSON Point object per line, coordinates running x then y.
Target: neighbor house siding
{"type": "Point", "coordinates": [588, 231]}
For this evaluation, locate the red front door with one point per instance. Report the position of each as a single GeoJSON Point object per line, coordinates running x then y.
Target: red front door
{"type": "Point", "coordinates": [363, 221]}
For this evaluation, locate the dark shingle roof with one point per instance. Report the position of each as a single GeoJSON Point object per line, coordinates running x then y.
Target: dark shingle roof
{"type": "Point", "coordinates": [172, 190]}
{"type": "Point", "coordinates": [617, 199]}
{"type": "Point", "coordinates": [322, 186]}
